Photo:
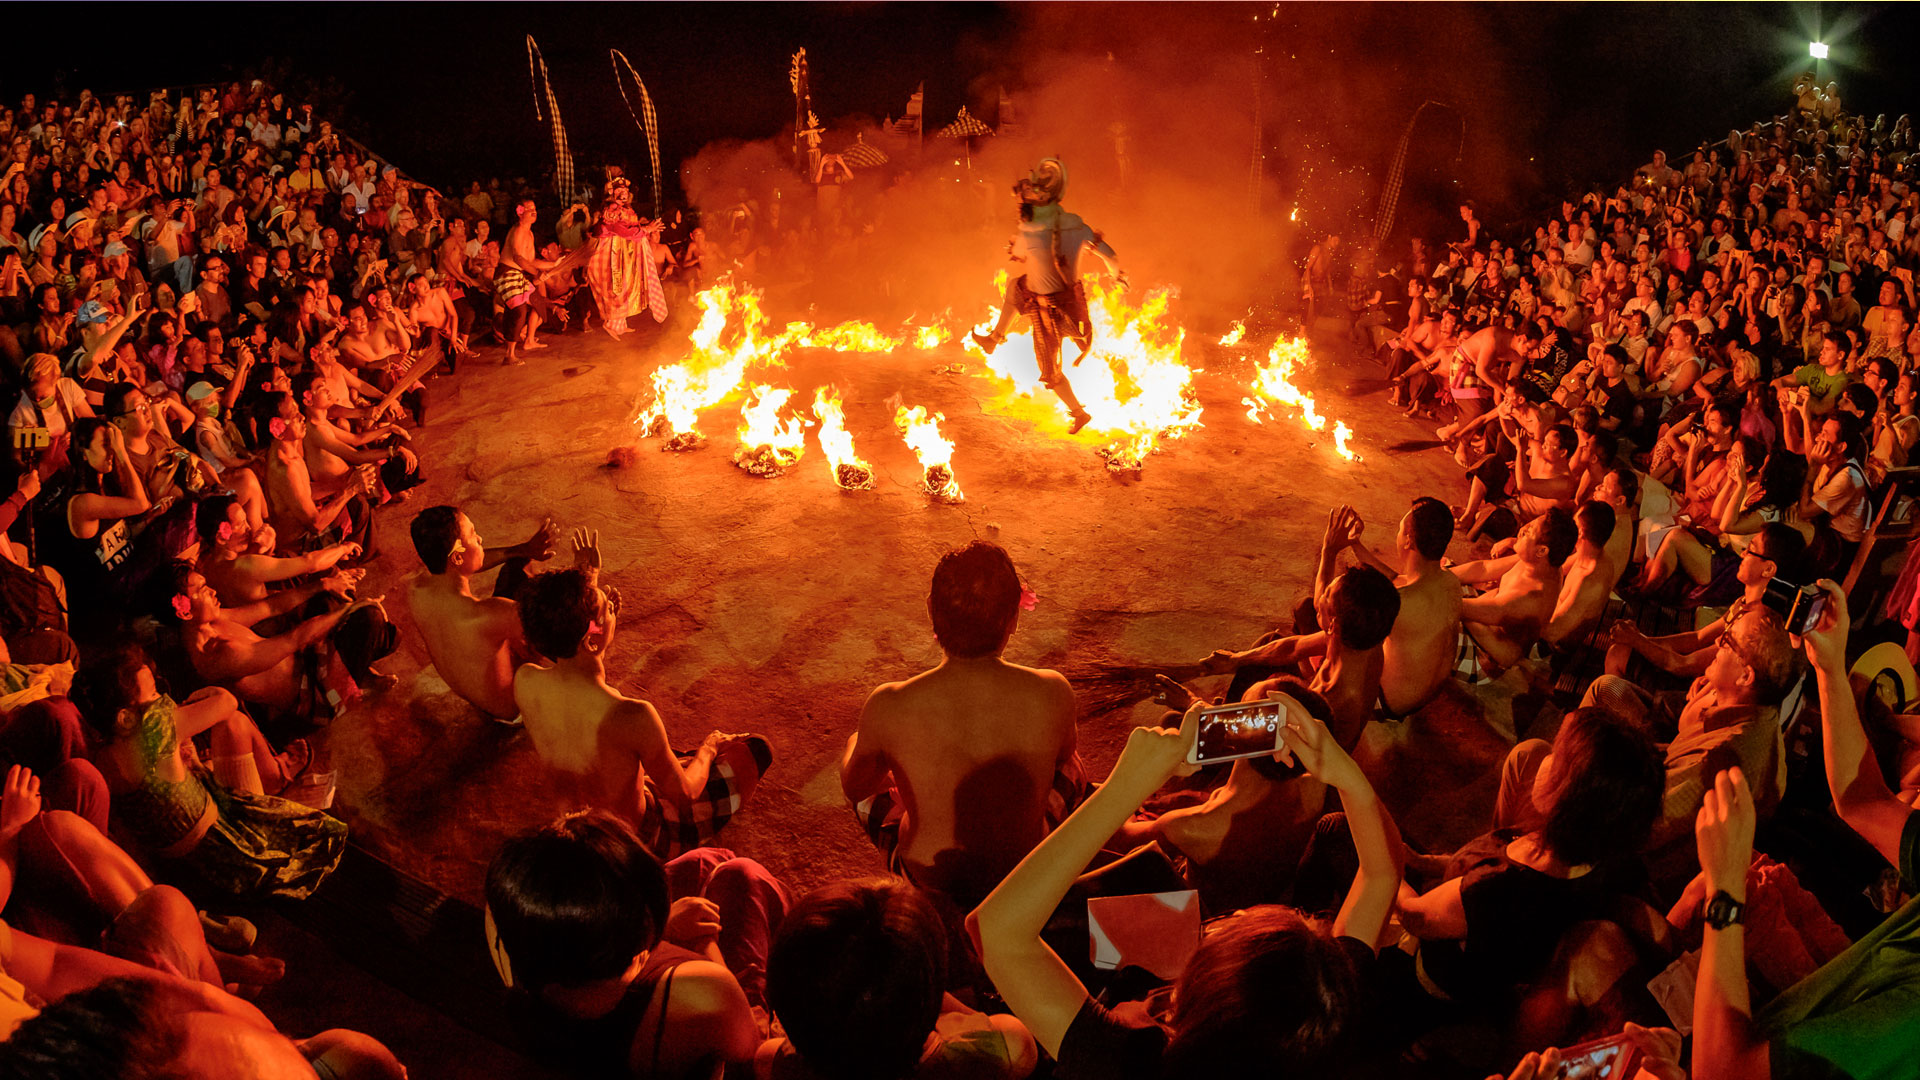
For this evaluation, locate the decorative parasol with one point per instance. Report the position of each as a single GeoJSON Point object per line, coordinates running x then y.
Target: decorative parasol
{"type": "Point", "coordinates": [863, 154]}
{"type": "Point", "coordinates": [964, 126]}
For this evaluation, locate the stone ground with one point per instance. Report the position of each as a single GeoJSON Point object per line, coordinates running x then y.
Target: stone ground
{"type": "Point", "coordinates": [774, 606]}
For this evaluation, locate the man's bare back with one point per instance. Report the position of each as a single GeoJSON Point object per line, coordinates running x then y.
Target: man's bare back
{"type": "Point", "coordinates": [472, 641]}
{"type": "Point", "coordinates": [1584, 589]}
{"type": "Point", "coordinates": [1506, 622]}
{"type": "Point", "coordinates": [1420, 651]}
{"type": "Point", "coordinates": [973, 747]}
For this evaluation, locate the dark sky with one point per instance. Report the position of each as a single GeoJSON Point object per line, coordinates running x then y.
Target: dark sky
{"type": "Point", "coordinates": [1583, 90]}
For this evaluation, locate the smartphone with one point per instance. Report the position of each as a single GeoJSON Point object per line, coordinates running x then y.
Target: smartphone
{"type": "Point", "coordinates": [1611, 1058]}
{"type": "Point", "coordinates": [1799, 606]}
{"type": "Point", "coordinates": [1248, 729]}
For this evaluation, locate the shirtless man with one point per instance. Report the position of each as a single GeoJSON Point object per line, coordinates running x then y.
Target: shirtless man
{"type": "Point", "coordinates": [431, 308]}
{"type": "Point", "coordinates": [1584, 585]}
{"type": "Point", "coordinates": [972, 748]}
{"type": "Point", "coordinates": [614, 748]}
{"type": "Point", "coordinates": [475, 644]}
{"type": "Point", "coordinates": [1538, 478]}
{"type": "Point", "coordinates": [1494, 352]}
{"type": "Point", "coordinates": [1420, 650]}
{"type": "Point", "coordinates": [225, 650]}
{"type": "Point", "coordinates": [516, 283]}
{"type": "Point", "coordinates": [332, 451]}
{"type": "Point", "coordinates": [1620, 489]}
{"type": "Point", "coordinates": [1504, 623]}
{"type": "Point", "coordinates": [1356, 611]}
{"type": "Point", "coordinates": [292, 507]}
{"type": "Point", "coordinates": [238, 571]}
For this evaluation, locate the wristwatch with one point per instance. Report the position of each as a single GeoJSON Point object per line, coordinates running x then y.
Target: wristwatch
{"type": "Point", "coordinates": [1724, 911]}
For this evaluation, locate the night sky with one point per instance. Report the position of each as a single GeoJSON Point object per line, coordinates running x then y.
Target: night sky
{"type": "Point", "coordinates": [1547, 94]}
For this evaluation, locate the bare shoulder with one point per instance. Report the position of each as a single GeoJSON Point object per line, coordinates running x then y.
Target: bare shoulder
{"type": "Point", "coordinates": [704, 987]}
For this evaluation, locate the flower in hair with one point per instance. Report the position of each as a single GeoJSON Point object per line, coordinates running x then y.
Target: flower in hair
{"type": "Point", "coordinates": [182, 606]}
{"type": "Point", "coordinates": [278, 427]}
{"type": "Point", "coordinates": [1028, 599]}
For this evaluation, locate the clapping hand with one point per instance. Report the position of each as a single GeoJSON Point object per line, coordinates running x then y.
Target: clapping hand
{"type": "Point", "coordinates": [541, 545]}
{"type": "Point", "coordinates": [19, 801]}
{"type": "Point", "coordinates": [586, 550]}
{"type": "Point", "coordinates": [341, 583]}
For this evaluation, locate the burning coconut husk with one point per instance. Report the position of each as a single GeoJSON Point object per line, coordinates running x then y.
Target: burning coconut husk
{"type": "Point", "coordinates": [769, 444]}
{"type": "Point", "coordinates": [934, 451]}
{"type": "Point", "coordinates": [836, 443]}
{"type": "Point", "coordinates": [765, 462]}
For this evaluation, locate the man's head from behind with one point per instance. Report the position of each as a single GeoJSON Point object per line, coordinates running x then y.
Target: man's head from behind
{"type": "Point", "coordinates": [558, 610]}
{"type": "Point", "coordinates": [445, 540]}
{"type": "Point", "coordinates": [1595, 520]}
{"type": "Point", "coordinates": [975, 600]}
{"type": "Point", "coordinates": [857, 975]}
{"type": "Point", "coordinates": [1427, 528]}
{"type": "Point", "coordinates": [573, 902]}
{"type": "Point", "coordinates": [1360, 607]}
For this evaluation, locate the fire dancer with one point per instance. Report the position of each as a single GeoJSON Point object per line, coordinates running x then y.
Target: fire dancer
{"type": "Point", "coordinates": [516, 284]}
{"type": "Point", "coordinates": [1049, 291]}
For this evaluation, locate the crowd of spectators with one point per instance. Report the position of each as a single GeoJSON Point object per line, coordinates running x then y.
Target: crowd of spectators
{"type": "Point", "coordinates": [1676, 419]}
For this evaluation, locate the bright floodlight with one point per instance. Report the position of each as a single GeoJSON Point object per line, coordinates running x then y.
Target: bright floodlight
{"type": "Point", "coordinates": [1818, 50]}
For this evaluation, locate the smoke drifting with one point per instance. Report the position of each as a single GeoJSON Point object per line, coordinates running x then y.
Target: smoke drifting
{"type": "Point", "coordinates": [1159, 150]}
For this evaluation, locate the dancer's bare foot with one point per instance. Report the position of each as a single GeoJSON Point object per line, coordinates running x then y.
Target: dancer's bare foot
{"type": "Point", "coordinates": [512, 361]}
{"type": "Point", "coordinates": [1080, 419]}
{"type": "Point", "coordinates": [532, 345]}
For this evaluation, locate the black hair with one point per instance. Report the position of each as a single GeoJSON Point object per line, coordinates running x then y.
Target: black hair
{"type": "Point", "coordinates": [556, 610]}
{"type": "Point", "coordinates": [1606, 779]}
{"type": "Point", "coordinates": [1431, 523]}
{"type": "Point", "coordinates": [576, 900]}
{"type": "Point", "coordinates": [435, 530]}
{"type": "Point", "coordinates": [1365, 604]}
{"type": "Point", "coordinates": [302, 384]}
{"type": "Point", "coordinates": [210, 515]}
{"type": "Point", "coordinates": [1595, 520]}
{"type": "Point", "coordinates": [113, 1030]}
{"type": "Point", "coordinates": [856, 976]}
{"type": "Point", "coordinates": [1863, 399]}
{"type": "Point", "coordinates": [82, 435]}
{"type": "Point", "coordinates": [974, 600]}
{"type": "Point", "coordinates": [113, 400]}
{"type": "Point", "coordinates": [1558, 533]}
{"type": "Point", "coordinates": [1728, 409]}
{"type": "Point", "coordinates": [1786, 549]}
{"type": "Point", "coordinates": [1564, 434]}
{"type": "Point", "coordinates": [104, 685]}
{"type": "Point", "coordinates": [1265, 986]}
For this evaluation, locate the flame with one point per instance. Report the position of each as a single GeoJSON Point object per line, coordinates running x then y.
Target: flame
{"type": "Point", "coordinates": [1234, 335]}
{"type": "Point", "coordinates": [1294, 215]}
{"type": "Point", "coordinates": [931, 337]}
{"type": "Point", "coordinates": [836, 442]}
{"type": "Point", "coordinates": [712, 371]}
{"type": "Point", "coordinates": [852, 336]}
{"type": "Point", "coordinates": [1133, 382]}
{"type": "Point", "coordinates": [1273, 385]}
{"type": "Point", "coordinates": [1342, 433]}
{"type": "Point", "coordinates": [768, 444]}
{"type": "Point", "coordinates": [934, 450]}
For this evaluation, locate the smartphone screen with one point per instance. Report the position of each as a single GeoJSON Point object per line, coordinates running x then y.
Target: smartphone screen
{"type": "Point", "coordinates": [1610, 1058]}
{"type": "Point", "coordinates": [1228, 732]}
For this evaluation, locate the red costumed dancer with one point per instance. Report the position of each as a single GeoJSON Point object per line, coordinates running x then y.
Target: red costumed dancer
{"type": "Point", "coordinates": [621, 268]}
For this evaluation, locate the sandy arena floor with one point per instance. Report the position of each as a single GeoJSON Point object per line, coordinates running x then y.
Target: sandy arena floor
{"type": "Point", "coordinates": [774, 606]}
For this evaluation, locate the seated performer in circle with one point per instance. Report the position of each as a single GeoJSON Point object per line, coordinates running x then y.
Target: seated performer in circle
{"type": "Point", "coordinates": [614, 749]}
{"type": "Point", "coordinates": [1049, 243]}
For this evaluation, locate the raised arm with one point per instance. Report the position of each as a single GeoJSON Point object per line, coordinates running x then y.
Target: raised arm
{"type": "Point", "coordinates": [1726, 1045]}
{"type": "Point", "coordinates": [1860, 793]}
{"type": "Point", "coordinates": [1371, 898]}
{"type": "Point", "coordinates": [229, 661]}
{"type": "Point", "coordinates": [1036, 984]}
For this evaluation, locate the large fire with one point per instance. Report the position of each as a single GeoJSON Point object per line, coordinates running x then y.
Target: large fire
{"type": "Point", "coordinates": [934, 450]}
{"type": "Point", "coordinates": [1133, 381]}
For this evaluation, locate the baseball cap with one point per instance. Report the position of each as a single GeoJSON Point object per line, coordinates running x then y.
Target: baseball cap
{"type": "Point", "coordinates": [200, 390]}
